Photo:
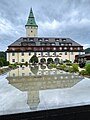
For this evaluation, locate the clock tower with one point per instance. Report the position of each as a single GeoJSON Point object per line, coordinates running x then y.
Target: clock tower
{"type": "Point", "coordinates": [31, 26]}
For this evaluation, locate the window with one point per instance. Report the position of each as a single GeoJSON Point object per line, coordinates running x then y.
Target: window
{"type": "Point", "coordinates": [69, 44]}
{"type": "Point", "coordinates": [31, 31]}
{"type": "Point", "coordinates": [29, 48]}
{"type": "Point", "coordinates": [13, 74]}
{"type": "Point", "coordinates": [71, 53]}
{"type": "Point", "coordinates": [13, 60]}
{"type": "Point", "coordinates": [48, 53]}
{"type": "Point", "coordinates": [71, 48]}
{"type": "Point", "coordinates": [47, 48]}
{"type": "Point", "coordinates": [60, 53]}
{"type": "Point", "coordinates": [65, 53]}
{"type": "Point", "coordinates": [13, 49]}
{"type": "Point", "coordinates": [22, 54]}
{"type": "Point", "coordinates": [54, 48]}
{"type": "Point", "coordinates": [35, 53]}
{"type": "Point", "coordinates": [13, 54]}
{"type": "Point", "coordinates": [35, 49]}
{"type": "Point", "coordinates": [30, 39]}
{"type": "Point", "coordinates": [63, 39]}
{"type": "Point", "coordinates": [40, 39]}
{"type": "Point", "coordinates": [78, 48]}
{"type": "Point", "coordinates": [29, 74]}
{"type": "Point", "coordinates": [42, 48]}
{"type": "Point", "coordinates": [46, 39]}
{"type": "Point", "coordinates": [41, 53]}
{"type": "Point", "coordinates": [60, 48]}
{"type": "Point", "coordinates": [22, 68]}
{"type": "Point", "coordinates": [22, 60]}
{"type": "Point", "coordinates": [23, 74]}
{"type": "Point", "coordinates": [24, 39]}
{"type": "Point", "coordinates": [54, 53]}
{"type": "Point", "coordinates": [29, 53]}
{"type": "Point", "coordinates": [22, 49]}
{"type": "Point", "coordinates": [53, 44]}
{"type": "Point", "coordinates": [56, 39]}
{"type": "Point", "coordinates": [62, 44]}
{"type": "Point", "coordinates": [79, 53]}
{"type": "Point", "coordinates": [65, 48]}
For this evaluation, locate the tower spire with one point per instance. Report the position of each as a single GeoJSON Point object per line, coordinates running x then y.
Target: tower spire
{"type": "Point", "coordinates": [31, 26]}
{"type": "Point", "coordinates": [31, 19]}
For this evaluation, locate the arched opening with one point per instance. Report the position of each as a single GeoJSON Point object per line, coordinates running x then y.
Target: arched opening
{"type": "Point", "coordinates": [43, 60]}
{"type": "Point", "coordinates": [43, 66]}
{"type": "Point", "coordinates": [57, 60]}
{"type": "Point", "coordinates": [34, 59]}
{"type": "Point", "coordinates": [49, 60]}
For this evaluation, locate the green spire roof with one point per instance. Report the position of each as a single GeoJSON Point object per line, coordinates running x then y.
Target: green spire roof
{"type": "Point", "coordinates": [31, 19]}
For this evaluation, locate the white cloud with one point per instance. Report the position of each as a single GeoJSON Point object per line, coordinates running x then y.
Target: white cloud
{"type": "Point", "coordinates": [50, 25]}
{"type": "Point", "coordinates": [8, 28]}
{"type": "Point", "coordinates": [86, 46]}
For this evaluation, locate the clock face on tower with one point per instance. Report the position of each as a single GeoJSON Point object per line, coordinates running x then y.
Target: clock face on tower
{"type": "Point", "coordinates": [31, 26]}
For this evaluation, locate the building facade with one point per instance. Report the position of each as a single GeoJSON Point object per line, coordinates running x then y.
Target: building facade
{"type": "Point", "coordinates": [46, 49]}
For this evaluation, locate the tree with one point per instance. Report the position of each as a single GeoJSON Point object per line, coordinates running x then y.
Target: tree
{"type": "Point", "coordinates": [34, 59]}
{"type": "Point", "coordinates": [3, 62]}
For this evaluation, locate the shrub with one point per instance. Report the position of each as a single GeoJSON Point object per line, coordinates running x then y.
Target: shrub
{"type": "Point", "coordinates": [12, 66]}
{"type": "Point", "coordinates": [53, 65]}
{"type": "Point", "coordinates": [1, 71]}
{"type": "Point", "coordinates": [75, 67]}
{"type": "Point", "coordinates": [1, 63]}
{"type": "Point", "coordinates": [71, 70]}
{"type": "Point", "coordinates": [69, 64]}
{"type": "Point", "coordinates": [63, 66]}
{"type": "Point", "coordinates": [83, 72]}
{"type": "Point", "coordinates": [88, 68]}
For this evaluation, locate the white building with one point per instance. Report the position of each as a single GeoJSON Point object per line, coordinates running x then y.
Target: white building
{"type": "Point", "coordinates": [46, 49]}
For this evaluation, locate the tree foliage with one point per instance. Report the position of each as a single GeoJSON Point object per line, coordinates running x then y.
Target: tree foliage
{"type": "Point", "coordinates": [88, 68]}
{"type": "Point", "coordinates": [3, 62]}
{"type": "Point", "coordinates": [34, 59]}
{"type": "Point", "coordinates": [75, 67]}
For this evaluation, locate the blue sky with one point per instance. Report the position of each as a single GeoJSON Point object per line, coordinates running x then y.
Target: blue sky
{"type": "Point", "coordinates": [55, 18]}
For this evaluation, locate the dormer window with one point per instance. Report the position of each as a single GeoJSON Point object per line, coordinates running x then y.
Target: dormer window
{"type": "Point", "coordinates": [70, 44]}
{"type": "Point", "coordinates": [40, 39]}
{"type": "Point", "coordinates": [31, 39]}
{"type": "Point", "coordinates": [46, 40]}
{"type": "Point", "coordinates": [63, 40]}
{"type": "Point", "coordinates": [24, 39]}
{"type": "Point", "coordinates": [57, 40]}
{"type": "Point", "coordinates": [62, 44]}
{"type": "Point", "coordinates": [53, 44]}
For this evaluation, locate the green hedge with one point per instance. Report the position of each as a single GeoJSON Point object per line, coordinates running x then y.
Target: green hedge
{"type": "Point", "coordinates": [75, 67]}
{"type": "Point", "coordinates": [88, 68]}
